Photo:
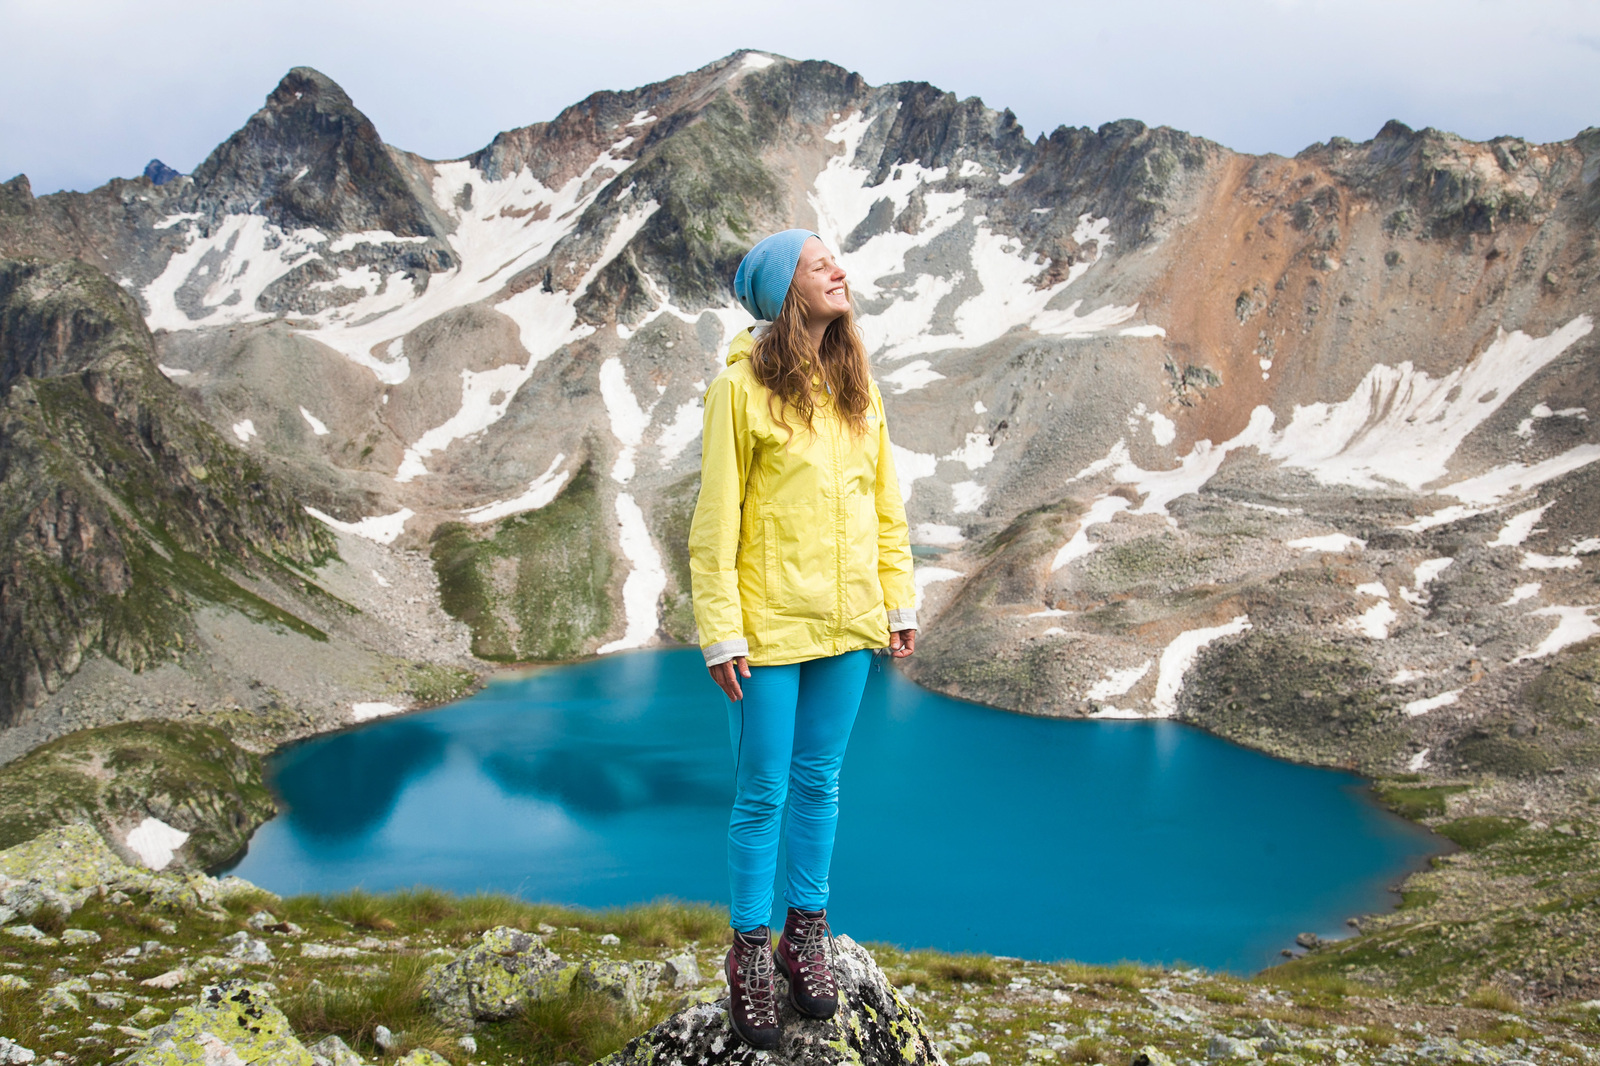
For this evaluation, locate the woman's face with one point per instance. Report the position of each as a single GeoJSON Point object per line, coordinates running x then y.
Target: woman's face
{"type": "Point", "coordinates": [820, 279]}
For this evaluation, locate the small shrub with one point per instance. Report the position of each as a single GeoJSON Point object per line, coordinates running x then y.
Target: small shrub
{"type": "Point", "coordinates": [1373, 1037]}
{"type": "Point", "coordinates": [49, 919]}
{"type": "Point", "coordinates": [352, 1006]}
{"type": "Point", "coordinates": [362, 910]}
{"type": "Point", "coordinates": [1493, 997]}
{"type": "Point", "coordinates": [1089, 1049]}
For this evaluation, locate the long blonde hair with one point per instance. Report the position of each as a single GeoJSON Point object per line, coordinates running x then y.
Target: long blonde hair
{"type": "Point", "coordinates": [784, 362]}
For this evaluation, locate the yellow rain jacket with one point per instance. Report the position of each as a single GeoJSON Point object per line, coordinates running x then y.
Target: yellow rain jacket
{"type": "Point", "coordinates": [799, 547]}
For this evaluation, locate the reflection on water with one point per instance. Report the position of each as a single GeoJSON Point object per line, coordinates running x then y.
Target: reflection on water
{"type": "Point", "coordinates": [347, 784]}
{"type": "Point", "coordinates": [961, 827]}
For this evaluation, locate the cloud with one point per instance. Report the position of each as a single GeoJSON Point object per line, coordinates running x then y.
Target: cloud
{"type": "Point", "coordinates": [93, 89]}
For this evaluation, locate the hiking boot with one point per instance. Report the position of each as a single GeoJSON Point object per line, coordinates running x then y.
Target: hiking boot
{"type": "Point", "coordinates": [752, 993]}
{"type": "Point", "coordinates": [805, 958]}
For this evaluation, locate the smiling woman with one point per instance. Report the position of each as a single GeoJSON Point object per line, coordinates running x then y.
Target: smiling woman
{"type": "Point", "coordinates": [801, 564]}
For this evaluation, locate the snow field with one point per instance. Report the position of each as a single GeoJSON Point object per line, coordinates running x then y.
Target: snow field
{"type": "Point", "coordinates": [642, 589]}
{"type": "Point", "coordinates": [1573, 625]}
{"type": "Point", "coordinates": [244, 430]}
{"type": "Point", "coordinates": [384, 529]}
{"type": "Point", "coordinates": [316, 424]}
{"type": "Point", "coordinates": [246, 252]}
{"type": "Point", "coordinates": [924, 576]}
{"type": "Point", "coordinates": [1432, 703]}
{"type": "Point", "coordinates": [1117, 682]}
{"type": "Point", "coordinates": [629, 418]}
{"type": "Point", "coordinates": [1333, 543]}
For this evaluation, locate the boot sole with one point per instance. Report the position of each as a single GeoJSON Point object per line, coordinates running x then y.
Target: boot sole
{"type": "Point", "coordinates": [794, 1000]}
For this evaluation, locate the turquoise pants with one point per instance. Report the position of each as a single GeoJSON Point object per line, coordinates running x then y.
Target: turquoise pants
{"type": "Point", "coordinates": [788, 734]}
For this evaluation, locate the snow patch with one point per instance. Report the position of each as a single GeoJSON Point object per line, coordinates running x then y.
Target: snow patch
{"type": "Point", "coordinates": [629, 419]}
{"type": "Point", "coordinates": [172, 371]}
{"type": "Point", "coordinates": [1116, 682]}
{"type": "Point", "coordinates": [235, 264]}
{"type": "Point", "coordinates": [924, 576]}
{"type": "Point", "coordinates": [1179, 655]}
{"type": "Point", "coordinates": [1143, 331]}
{"type": "Point", "coordinates": [244, 430]}
{"type": "Point", "coordinates": [1518, 529]}
{"type": "Point", "coordinates": [1080, 545]}
{"type": "Point", "coordinates": [1328, 542]}
{"type": "Point", "coordinates": [967, 496]}
{"type": "Point", "coordinates": [1520, 593]}
{"type": "Point", "coordinates": [363, 712]}
{"type": "Point", "coordinates": [1432, 703]}
{"type": "Point", "coordinates": [541, 490]}
{"type": "Point", "coordinates": [916, 374]}
{"type": "Point", "coordinates": [382, 581]}
{"type": "Point", "coordinates": [641, 591]}
{"type": "Point", "coordinates": [316, 424]}
{"type": "Point", "coordinates": [154, 841]}
{"type": "Point", "coordinates": [384, 529]}
{"type": "Point", "coordinates": [348, 241]}
{"type": "Point", "coordinates": [911, 467]}
{"type": "Point", "coordinates": [1573, 625]}
{"type": "Point", "coordinates": [1374, 622]}
{"type": "Point", "coordinates": [1419, 761]}
{"type": "Point", "coordinates": [937, 535]}
{"type": "Point", "coordinates": [680, 432]}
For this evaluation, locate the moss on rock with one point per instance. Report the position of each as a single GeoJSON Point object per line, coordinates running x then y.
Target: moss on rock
{"type": "Point", "coordinates": [190, 776]}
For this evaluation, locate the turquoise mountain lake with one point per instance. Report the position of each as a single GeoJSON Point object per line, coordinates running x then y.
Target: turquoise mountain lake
{"type": "Point", "coordinates": [962, 827]}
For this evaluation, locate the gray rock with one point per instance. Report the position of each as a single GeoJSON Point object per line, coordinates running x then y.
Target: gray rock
{"type": "Point", "coordinates": [14, 1054]}
{"type": "Point", "coordinates": [874, 1027]}
{"type": "Point", "coordinates": [10, 982]}
{"type": "Point", "coordinates": [246, 948]}
{"type": "Point", "coordinates": [1307, 940]}
{"type": "Point", "coordinates": [495, 977]}
{"type": "Point", "coordinates": [1226, 1047]}
{"type": "Point", "coordinates": [331, 1051]}
{"type": "Point", "coordinates": [610, 940]}
{"type": "Point", "coordinates": [977, 1058]}
{"type": "Point", "coordinates": [385, 1038]}
{"type": "Point", "coordinates": [1150, 1055]}
{"type": "Point", "coordinates": [261, 920]}
{"type": "Point", "coordinates": [683, 971]}
{"type": "Point", "coordinates": [108, 1000]}
{"type": "Point", "coordinates": [468, 1044]}
{"type": "Point", "coordinates": [75, 937]}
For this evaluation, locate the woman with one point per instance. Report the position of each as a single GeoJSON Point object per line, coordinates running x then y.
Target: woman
{"type": "Point", "coordinates": [801, 565]}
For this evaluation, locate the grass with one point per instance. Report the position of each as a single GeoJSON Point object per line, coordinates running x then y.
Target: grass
{"type": "Point", "coordinates": [585, 1026]}
{"type": "Point", "coordinates": [1479, 830]}
{"type": "Point", "coordinates": [351, 1006]}
{"type": "Point", "coordinates": [1417, 803]}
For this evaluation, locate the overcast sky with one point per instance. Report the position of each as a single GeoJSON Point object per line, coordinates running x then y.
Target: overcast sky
{"type": "Point", "coordinates": [91, 89]}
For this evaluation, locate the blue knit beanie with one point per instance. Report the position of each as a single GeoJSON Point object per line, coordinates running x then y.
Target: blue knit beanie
{"type": "Point", "coordinates": [764, 274]}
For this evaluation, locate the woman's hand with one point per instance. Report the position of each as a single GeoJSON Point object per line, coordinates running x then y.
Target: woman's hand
{"type": "Point", "coordinates": [727, 675]}
{"type": "Point", "coordinates": [902, 642]}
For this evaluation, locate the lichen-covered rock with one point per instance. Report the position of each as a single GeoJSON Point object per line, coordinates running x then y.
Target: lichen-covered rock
{"type": "Point", "coordinates": [60, 868]}
{"type": "Point", "coordinates": [233, 1023]}
{"type": "Point", "coordinates": [495, 977]}
{"type": "Point", "coordinates": [619, 980]}
{"type": "Point", "coordinates": [331, 1051]}
{"type": "Point", "coordinates": [10, 982]}
{"type": "Point", "coordinates": [422, 1057]}
{"type": "Point", "coordinates": [874, 1027]}
{"type": "Point", "coordinates": [75, 937]}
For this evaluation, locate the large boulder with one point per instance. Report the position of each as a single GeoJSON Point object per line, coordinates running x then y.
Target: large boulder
{"type": "Point", "coordinates": [495, 977]}
{"type": "Point", "coordinates": [61, 869]}
{"type": "Point", "coordinates": [874, 1027]}
{"type": "Point", "coordinates": [234, 1023]}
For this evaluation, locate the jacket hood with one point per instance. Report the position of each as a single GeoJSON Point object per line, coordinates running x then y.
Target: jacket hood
{"type": "Point", "coordinates": [741, 346]}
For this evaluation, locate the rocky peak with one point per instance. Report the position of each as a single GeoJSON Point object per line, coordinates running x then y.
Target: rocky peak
{"type": "Point", "coordinates": [310, 158]}
{"type": "Point", "coordinates": [159, 173]}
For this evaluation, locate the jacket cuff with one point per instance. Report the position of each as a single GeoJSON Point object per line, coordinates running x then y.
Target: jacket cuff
{"type": "Point", "coordinates": [902, 618]}
{"type": "Point", "coordinates": [724, 650]}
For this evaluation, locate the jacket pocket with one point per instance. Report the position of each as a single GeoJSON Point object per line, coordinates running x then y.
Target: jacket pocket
{"type": "Point", "coordinates": [863, 592]}
{"type": "Point", "coordinates": [772, 567]}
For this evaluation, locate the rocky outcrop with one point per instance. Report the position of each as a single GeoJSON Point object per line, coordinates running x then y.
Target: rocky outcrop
{"type": "Point", "coordinates": [875, 1026]}
{"type": "Point", "coordinates": [496, 978]}
{"type": "Point", "coordinates": [187, 784]}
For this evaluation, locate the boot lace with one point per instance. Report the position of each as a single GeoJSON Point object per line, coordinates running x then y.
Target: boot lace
{"type": "Point", "coordinates": [813, 949]}
{"type": "Point", "coordinates": [757, 988]}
